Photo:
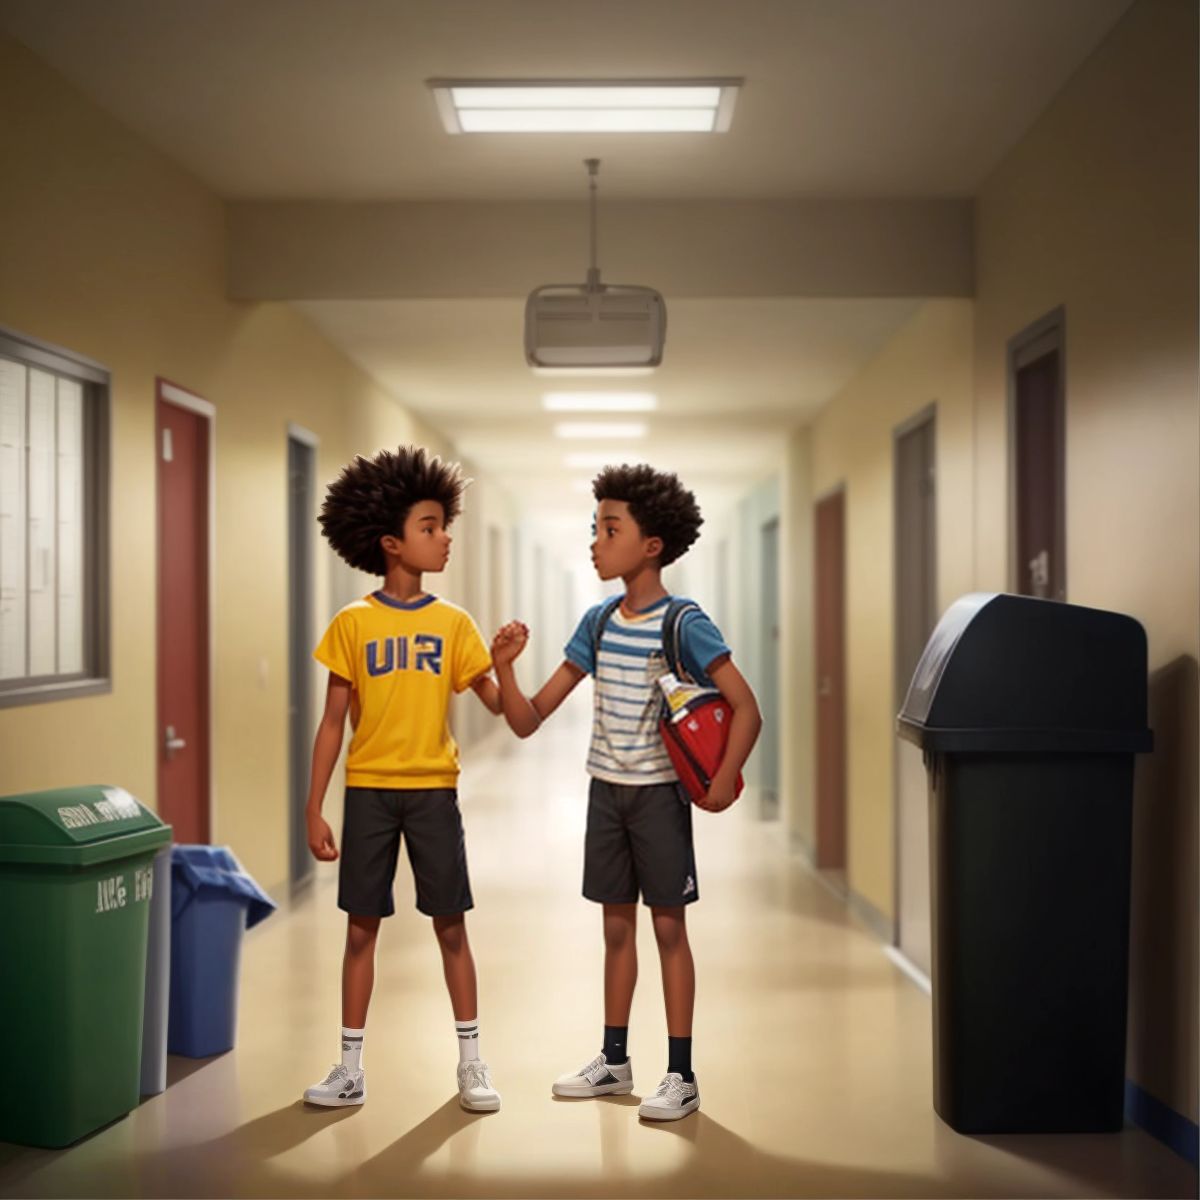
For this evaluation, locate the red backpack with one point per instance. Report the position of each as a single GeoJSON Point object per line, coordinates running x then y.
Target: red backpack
{"type": "Point", "coordinates": [695, 719]}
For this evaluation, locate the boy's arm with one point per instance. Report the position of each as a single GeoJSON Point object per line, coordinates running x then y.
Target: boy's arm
{"type": "Point", "coordinates": [487, 691]}
{"type": "Point", "coordinates": [326, 748]}
{"type": "Point", "coordinates": [743, 732]}
{"type": "Point", "coordinates": [522, 714]}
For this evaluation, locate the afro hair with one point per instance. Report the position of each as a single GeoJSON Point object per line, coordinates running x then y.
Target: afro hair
{"type": "Point", "coordinates": [658, 502]}
{"type": "Point", "coordinates": [372, 498]}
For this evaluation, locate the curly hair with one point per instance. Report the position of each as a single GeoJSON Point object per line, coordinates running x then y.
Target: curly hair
{"type": "Point", "coordinates": [657, 501]}
{"type": "Point", "coordinates": [372, 498]}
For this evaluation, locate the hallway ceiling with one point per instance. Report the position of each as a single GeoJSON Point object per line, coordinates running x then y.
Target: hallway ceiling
{"type": "Point", "coordinates": [736, 373]}
{"type": "Point", "coordinates": [845, 99]}
{"type": "Point", "coordinates": [327, 100]}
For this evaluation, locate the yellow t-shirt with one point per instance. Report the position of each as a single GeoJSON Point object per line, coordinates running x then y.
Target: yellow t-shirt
{"type": "Point", "coordinates": [403, 659]}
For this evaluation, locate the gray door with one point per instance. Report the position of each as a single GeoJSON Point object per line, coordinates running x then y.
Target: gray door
{"type": "Point", "coordinates": [768, 747]}
{"type": "Point", "coordinates": [916, 615]}
{"type": "Point", "coordinates": [301, 525]}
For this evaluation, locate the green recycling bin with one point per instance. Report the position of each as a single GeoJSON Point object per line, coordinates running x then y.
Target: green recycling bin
{"type": "Point", "coordinates": [76, 875]}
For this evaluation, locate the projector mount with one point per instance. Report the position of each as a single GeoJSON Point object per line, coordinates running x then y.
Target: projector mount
{"type": "Point", "coordinates": [593, 275]}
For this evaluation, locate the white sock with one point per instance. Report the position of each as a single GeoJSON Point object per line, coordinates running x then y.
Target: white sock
{"type": "Point", "coordinates": [468, 1039]}
{"type": "Point", "coordinates": [352, 1048]}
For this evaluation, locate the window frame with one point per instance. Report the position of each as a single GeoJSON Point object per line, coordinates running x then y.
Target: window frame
{"type": "Point", "coordinates": [95, 381]}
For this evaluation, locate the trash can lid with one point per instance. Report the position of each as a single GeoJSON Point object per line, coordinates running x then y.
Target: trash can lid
{"type": "Point", "coordinates": [1014, 674]}
{"type": "Point", "coordinates": [77, 826]}
{"type": "Point", "coordinates": [194, 868]}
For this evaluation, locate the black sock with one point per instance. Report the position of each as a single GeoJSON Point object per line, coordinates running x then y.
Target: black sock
{"type": "Point", "coordinates": [679, 1057]}
{"type": "Point", "coordinates": [615, 1037]}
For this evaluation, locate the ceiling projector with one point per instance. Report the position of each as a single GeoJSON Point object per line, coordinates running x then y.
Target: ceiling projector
{"type": "Point", "coordinates": [594, 325]}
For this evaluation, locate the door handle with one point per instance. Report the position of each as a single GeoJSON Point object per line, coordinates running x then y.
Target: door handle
{"type": "Point", "coordinates": [171, 743]}
{"type": "Point", "coordinates": [1039, 573]}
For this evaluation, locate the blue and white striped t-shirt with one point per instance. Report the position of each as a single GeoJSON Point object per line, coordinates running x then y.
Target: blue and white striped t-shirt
{"type": "Point", "coordinates": [626, 745]}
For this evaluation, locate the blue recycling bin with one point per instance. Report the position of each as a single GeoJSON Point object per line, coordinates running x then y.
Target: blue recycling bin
{"type": "Point", "coordinates": [212, 901]}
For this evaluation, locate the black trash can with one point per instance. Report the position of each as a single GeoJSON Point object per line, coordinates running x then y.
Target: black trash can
{"type": "Point", "coordinates": [1029, 713]}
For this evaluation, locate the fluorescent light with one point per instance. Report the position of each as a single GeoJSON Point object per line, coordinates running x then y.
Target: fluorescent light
{"type": "Point", "coordinates": [586, 106]}
{"type": "Point", "coordinates": [600, 429]}
{"type": "Point", "coordinates": [600, 402]}
{"type": "Point", "coordinates": [585, 97]}
{"type": "Point", "coordinates": [592, 372]}
{"type": "Point", "coordinates": [590, 459]}
{"type": "Point", "coordinates": [587, 120]}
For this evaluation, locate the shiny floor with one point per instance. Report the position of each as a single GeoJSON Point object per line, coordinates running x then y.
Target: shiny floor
{"type": "Point", "coordinates": [812, 1048]}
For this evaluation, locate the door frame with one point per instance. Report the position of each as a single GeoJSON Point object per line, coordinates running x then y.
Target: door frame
{"type": "Point", "coordinates": [307, 438]}
{"type": "Point", "coordinates": [166, 392]}
{"type": "Point", "coordinates": [837, 489]}
{"type": "Point", "coordinates": [925, 416]}
{"type": "Point", "coordinates": [1045, 335]}
{"type": "Point", "coordinates": [769, 663]}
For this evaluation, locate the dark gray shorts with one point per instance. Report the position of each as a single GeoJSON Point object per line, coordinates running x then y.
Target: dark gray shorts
{"type": "Point", "coordinates": [639, 839]}
{"type": "Point", "coordinates": [433, 831]}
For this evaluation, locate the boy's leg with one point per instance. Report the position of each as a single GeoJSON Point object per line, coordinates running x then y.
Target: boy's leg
{"type": "Point", "coordinates": [678, 969]}
{"type": "Point", "coordinates": [475, 1090]}
{"type": "Point", "coordinates": [608, 879]}
{"type": "Point", "coordinates": [610, 1073]}
{"type": "Point", "coordinates": [370, 845]}
{"type": "Point", "coordinates": [358, 969]}
{"type": "Point", "coordinates": [345, 1083]}
{"type": "Point", "coordinates": [620, 977]}
{"type": "Point", "coordinates": [661, 835]}
{"type": "Point", "coordinates": [458, 966]}
{"type": "Point", "coordinates": [437, 851]}
{"type": "Point", "coordinates": [678, 1094]}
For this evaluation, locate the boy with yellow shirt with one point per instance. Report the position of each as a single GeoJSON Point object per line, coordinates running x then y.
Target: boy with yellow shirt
{"type": "Point", "coordinates": [394, 657]}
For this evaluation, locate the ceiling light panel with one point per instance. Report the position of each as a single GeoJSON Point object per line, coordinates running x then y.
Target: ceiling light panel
{"type": "Point", "coordinates": [588, 402]}
{"type": "Point", "coordinates": [586, 106]}
{"type": "Point", "coordinates": [599, 430]}
{"type": "Point", "coordinates": [584, 96]}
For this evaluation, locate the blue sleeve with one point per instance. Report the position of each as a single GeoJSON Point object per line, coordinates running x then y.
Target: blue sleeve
{"type": "Point", "coordinates": [700, 644]}
{"type": "Point", "coordinates": [581, 649]}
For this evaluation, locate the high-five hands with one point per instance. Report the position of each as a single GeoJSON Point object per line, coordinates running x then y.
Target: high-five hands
{"type": "Point", "coordinates": [508, 643]}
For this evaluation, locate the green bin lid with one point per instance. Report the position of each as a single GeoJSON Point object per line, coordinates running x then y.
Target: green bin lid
{"type": "Point", "coordinates": [77, 826]}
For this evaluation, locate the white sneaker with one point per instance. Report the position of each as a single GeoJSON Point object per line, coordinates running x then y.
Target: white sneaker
{"type": "Point", "coordinates": [340, 1087]}
{"type": "Point", "coordinates": [475, 1091]}
{"type": "Point", "coordinates": [674, 1099]}
{"type": "Point", "coordinates": [598, 1078]}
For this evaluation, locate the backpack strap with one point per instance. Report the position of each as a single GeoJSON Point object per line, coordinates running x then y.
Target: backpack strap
{"type": "Point", "coordinates": [672, 628]}
{"type": "Point", "coordinates": [606, 611]}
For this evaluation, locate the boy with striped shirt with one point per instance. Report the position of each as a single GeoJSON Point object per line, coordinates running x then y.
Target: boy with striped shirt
{"type": "Point", "coordinates": [639, 826]}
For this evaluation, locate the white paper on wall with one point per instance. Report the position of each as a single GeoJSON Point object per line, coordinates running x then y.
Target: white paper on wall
{"type": "Point", "coordinates": [43, 574]}
{"type": "Point", "coordinates": [70, 526]}
{"type": "Point", "coordinates": [12, 519]}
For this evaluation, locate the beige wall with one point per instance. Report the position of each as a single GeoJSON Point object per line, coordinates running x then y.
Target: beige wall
{"type": "Point", "coordinates": [1096, 210]}
{"type": "Point", "coordinates": [112, 251]}
{"type": "Point", "coordinates": [809, 246]}
{"type": "Point", "coordinates": [797, 715]}
{"type": "Point", "coordinates": [927, 362]}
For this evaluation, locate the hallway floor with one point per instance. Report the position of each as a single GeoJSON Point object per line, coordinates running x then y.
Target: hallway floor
{"type": "Point", "coordinates": [812, 1049]}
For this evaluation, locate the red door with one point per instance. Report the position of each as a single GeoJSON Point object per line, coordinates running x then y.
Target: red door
{"type": "Point", "coordinates": [831, 687]}
{"type": "Point", "coordinates": [182, 732]}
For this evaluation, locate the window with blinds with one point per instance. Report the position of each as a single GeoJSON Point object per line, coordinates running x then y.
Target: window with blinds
{"type": "Point", "coordinates": [53, 523]}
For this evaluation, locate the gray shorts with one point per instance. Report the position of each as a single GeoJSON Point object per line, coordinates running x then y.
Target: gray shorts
{"type": "Point", "coordinates": [639, 839]}
{"type": "Point", "coordinates": [432, 827]}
